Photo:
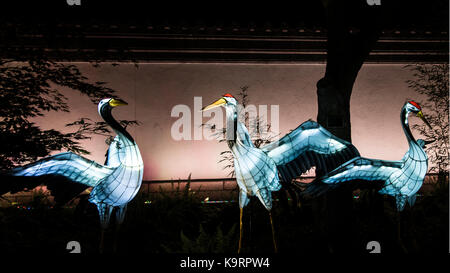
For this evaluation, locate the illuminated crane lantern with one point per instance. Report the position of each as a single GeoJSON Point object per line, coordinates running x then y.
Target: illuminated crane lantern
{"type": "Point", "coordinates": [401, 179]}
{"type": "Point", "coordinates": [258, 171]}
{"type": "Point", "coordinates": [114, 184]}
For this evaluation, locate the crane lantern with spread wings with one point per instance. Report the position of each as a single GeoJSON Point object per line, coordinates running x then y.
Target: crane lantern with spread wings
{"type": "Point", "coordinates": [258, 171]}
{"type": "Point", "coordinates": [114, 184]}
{"type": "Point", "coordinates": [401, 179]}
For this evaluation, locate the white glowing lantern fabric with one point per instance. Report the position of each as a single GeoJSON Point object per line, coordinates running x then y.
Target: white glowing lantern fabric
{"type": "Point", "coordinates": [309, 145]}
{"type": "Point", "coordinates": [74, 167]}
{"type": "Point", "coordinates": [256, 173]}
{"type": "Point", "coordinates": [259, 170]}
{"type": "Point", "coordinates": [114, 184]}
{"type": "Point", "coordinates": [122, 184]}
{"type": "Point", "coordinates": [402, 179]}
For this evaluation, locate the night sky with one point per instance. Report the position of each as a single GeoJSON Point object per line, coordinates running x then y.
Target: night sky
{"type": "Point", "coordinates": [153, 89]}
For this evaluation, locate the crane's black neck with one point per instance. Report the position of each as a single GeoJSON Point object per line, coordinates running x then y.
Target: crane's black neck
{"type": "Point", "coordinates": [105, 113]}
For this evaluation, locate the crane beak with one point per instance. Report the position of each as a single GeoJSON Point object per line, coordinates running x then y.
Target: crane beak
{"type": "Point", "coordinates": [420, 115]}
{"type": "Point", "coordinates": [117, 102]}
{"type": "Point", "coordinates": [215, 104]}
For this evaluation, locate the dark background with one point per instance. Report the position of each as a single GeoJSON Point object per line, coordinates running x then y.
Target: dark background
{"type": "Point", "coordinates": [157, 228]}
{"type": "Point", "coordinates": [399, 13]}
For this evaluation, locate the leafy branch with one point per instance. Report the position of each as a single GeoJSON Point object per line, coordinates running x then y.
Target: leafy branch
{"type": "Point", "coordinates": [432, 81]}
{"type": "Point", "coordinates": [30, 89]}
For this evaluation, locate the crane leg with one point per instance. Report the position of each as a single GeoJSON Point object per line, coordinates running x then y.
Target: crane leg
{"type": "Point", "coordinates": [399, 233]}
{"type": "Point", "coordinates": [273, 233]}
{"type": "Point", "coordinates": [116, 236]}
{"type": "Point", "coordinates": [240, 230]}
{"type": "Point", "coordinates": [104, 211]}
{"type": "Point", "coordinates": [120, 216]}
{"type": "Point", "coordinates": [102, 241]}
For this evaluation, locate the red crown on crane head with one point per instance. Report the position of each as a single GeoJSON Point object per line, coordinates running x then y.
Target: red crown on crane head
{"type": "Point", "coordinates": [415, 104]}
{"type": "Point", "coordinates": [228, 95]}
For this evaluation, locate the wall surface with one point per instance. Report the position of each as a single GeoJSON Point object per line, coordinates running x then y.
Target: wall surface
{"type": "Point", "coordinates": [152, 90]}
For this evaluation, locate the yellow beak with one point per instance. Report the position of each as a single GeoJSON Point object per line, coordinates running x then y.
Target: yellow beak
{"type": "Point", "coordinates": [215, 104]}
{"type": "Point", "coordinates": [117, 102]}
{"type": "Point", "coordinates": [420, 115]}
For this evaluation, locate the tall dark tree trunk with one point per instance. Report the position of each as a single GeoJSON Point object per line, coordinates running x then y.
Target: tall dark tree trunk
{"type": "Point", "coordinates": [353, 29]}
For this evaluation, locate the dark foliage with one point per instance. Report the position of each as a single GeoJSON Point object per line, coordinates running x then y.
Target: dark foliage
{"type": "Point", "coordinates": [29, 89]}
{"type": "Point", "coordinates": [181, 223]}
{"type": "Point", "coordinates": [432, 81]}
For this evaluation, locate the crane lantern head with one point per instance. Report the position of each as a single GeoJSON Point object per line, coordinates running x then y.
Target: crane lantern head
{"type": "Point", "coordinates": [111, 103]}
{"type": "Point", "coordinates": [226, 99]}
{"type": "Point", "coordinates": [415, 108]}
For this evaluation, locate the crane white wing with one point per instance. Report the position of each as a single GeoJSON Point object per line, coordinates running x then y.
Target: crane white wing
{"type": "Point", "coordinates": [362, 169]}
{"type": "Point", "coordinates": [73, 167]}
{"type": "Point", "coordinates": [356, 171]}
{"type": "Point", "coordinates": [307, 146]}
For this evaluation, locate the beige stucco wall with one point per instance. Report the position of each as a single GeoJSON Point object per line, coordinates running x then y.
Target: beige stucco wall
{"type": "Point", "coordinates": [153, 89]}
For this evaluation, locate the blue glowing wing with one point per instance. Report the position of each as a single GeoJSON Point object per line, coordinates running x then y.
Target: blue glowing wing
{"type": "Point", "coordinates": [355, 173]}
{"type": "Point", "coordinates": [69, 165]}
{"type": "Point", "coordinates": [307, 146]}
{"type": "Point", "coordinates": [363, 169]}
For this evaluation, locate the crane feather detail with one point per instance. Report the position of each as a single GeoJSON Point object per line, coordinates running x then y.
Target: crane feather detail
{"type": "Point", "coordinates": [309, 145]}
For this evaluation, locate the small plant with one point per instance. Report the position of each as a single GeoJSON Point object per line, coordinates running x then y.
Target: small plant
{"type": "Point", "coordinates": [217, 242]}
{"type": "Point", "coordinates": [39, 199]}
{"type": "Point", "coordinates": [177, 192]}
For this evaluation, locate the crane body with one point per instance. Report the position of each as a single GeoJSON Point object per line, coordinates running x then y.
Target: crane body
{"type": "Point", "coordinates": [401, 179]}
{"type": "Point", "coordinates": [114, 184]}
{"type": "Point", "coordinates": [259, 171]}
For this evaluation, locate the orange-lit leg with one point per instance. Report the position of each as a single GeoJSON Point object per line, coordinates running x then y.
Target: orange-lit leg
{"type": "Point", "coordinates": [240, 230]}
